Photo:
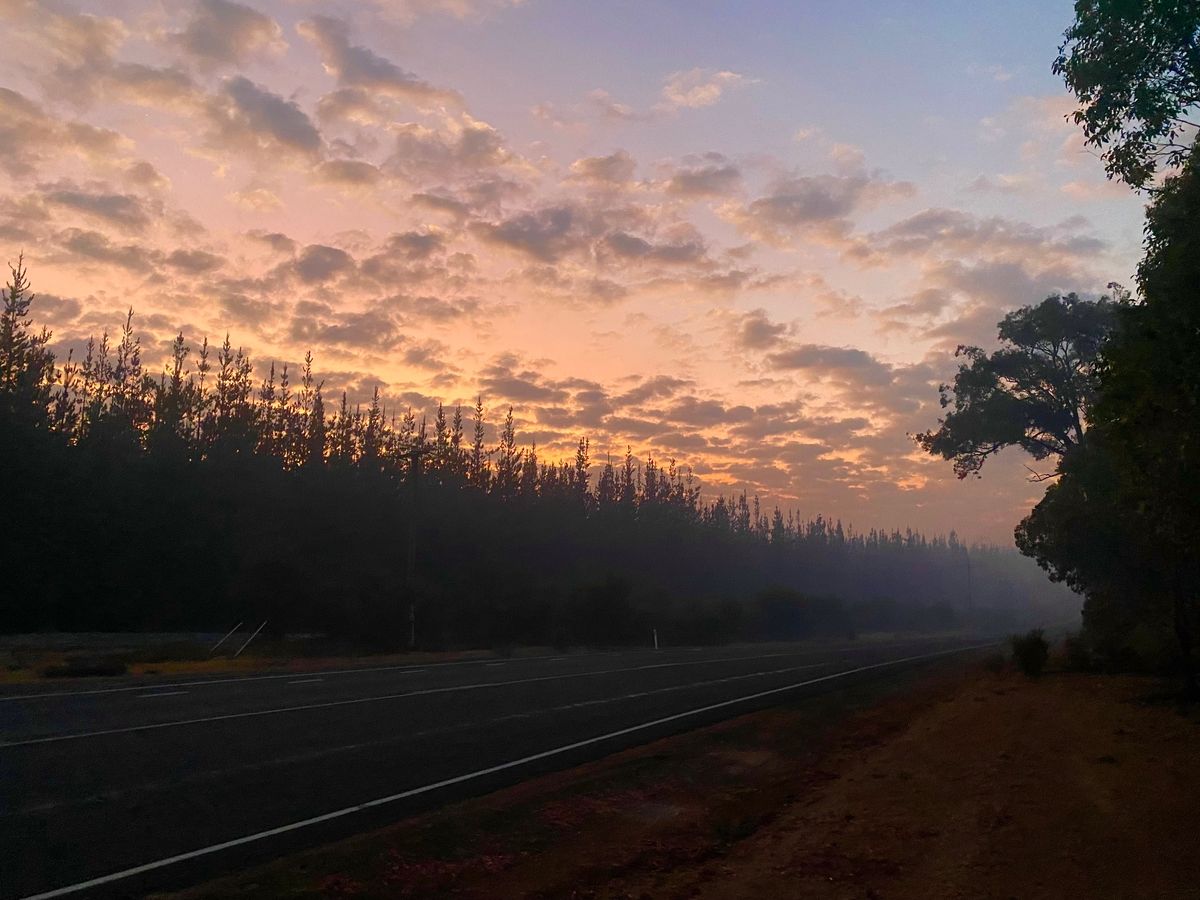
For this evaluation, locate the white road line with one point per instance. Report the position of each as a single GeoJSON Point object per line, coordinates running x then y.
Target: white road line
{"type": "Point", "coordinates": [470, 776]}
{"type": "Point", "coordinates": [400, 670]}
{"type": "Point", "coordinates": [490, 665]}
{"type": "Point", "coordinates": [376, 699]}
{"type": "Point", "coordinates": [163, 694]}
{"type": "Point", "coordinates": [323, 752]}
{"type": "Point", "coordinates": [306, 681]}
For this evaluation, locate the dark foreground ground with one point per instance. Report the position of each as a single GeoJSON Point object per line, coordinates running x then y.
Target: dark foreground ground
{"type": "Point", "coordinates": [945, 782]}
{"type": "Point", "coordinates": [114, 788]}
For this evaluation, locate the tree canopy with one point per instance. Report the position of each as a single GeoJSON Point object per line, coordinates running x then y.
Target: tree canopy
{"type": "Point", "coordinates": [1135, 67]}
{"type": "Point", "coordinates": [1033, 392]}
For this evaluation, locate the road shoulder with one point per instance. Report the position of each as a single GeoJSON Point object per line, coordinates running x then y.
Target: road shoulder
{"type": "Point", "coordinates": [956, 783]}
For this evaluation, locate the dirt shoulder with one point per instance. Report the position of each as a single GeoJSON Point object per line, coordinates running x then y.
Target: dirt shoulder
{"type": "Point", "coordinates": [966, 784]}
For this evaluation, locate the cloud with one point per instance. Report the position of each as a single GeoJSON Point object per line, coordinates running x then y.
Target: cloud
{"type": "Point", "coordinates": [810, 202]}
{"type": "Point", "coordinates": [1001, 183]}
{"type": "Point", "coordinates": [757, 332]}
{"type": "Point", "coordinates": [711, 175]}
{"type": "Point", "coordinates": [278, 242]}
{"type": "Point", "coordinates": [698, 88]}
{"type": "Point", "coordinates": [609, 108]}
{"type": "Point", "coordinates": [221, 32]}
{"type": "Point", "coordinates": [955, 231]}
{"type": "Point", "coordinates": [1084, 191]}
{"type": "Point", "coordinates": [194, 262]}
{"type": "Point", "coordinates": [348, 173]}
{"type": "Point", "coordinates": [413, 245]}
{"type": "Point", "coordinates": [55, 310]}
{"type": "Point", "coordinates": [612, 171]}
{"type": "Point", "coordinates": [96, 247]}
{"type": "Point", "coordinates": [256, 199]}
{"type": "Point", "coordinates": [371, 330]}
{"type": "Point", "coordinates": [82, 46]}
{"type": "Point", "coordinates": [698, 413]}
{"type": "Point", "coordinates": [842, 363]}
{"type": "Point", "coordinates": [504, 378]}
{"type": "Point", "coordinates": [250, 118]}
{"type": "Point", "coordinates": [427, 308]}
{"type": "Point", "coordinates": [544, 234]}
{"type": "Point", "coordinates": [691, 89]}
{"type": "Point", "coordinates": [627, 247]}
{"type": "Point", "coordinates": [357, 67]}
{"type": "Point", "coordinates": [352, 105]}
{"type": "Point", "coordinates": [144, 175]}
{"type": "Point", "coordinates": [406, 11]}
{"type": "Point", "coordinates": [29, 137]}
{"type": "Point", "coordinates": [126, 211]}
{"type": "Point", "coordinates": [318, 263]}
{"type": "Point", "coordinates": [657, 387]}
{"type": "Point", "coordinates": [462, 147]}
{"type": "Point", "coordinates": [152, 86]}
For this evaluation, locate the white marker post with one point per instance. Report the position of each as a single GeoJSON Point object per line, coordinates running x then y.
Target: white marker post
{"type": "Point", "coordinates": [655, 630]}
{"type": "Point", "coordinates": [224, 639]}
{"type": "Point", "coordinates": [249, 639]}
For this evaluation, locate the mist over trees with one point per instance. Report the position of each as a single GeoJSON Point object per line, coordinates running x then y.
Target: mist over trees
{"type": "Point", "coordinates": [200, 496]}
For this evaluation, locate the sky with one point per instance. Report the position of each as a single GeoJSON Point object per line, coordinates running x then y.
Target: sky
{"type": "Point", "coordinates": [744, 235]}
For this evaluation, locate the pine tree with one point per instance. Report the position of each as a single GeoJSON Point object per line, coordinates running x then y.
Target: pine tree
{"type": "Point", "coordinates": [26, 365]}
{"type": "Point", "coordinates": [581, 474]}
{"type": "Point", "coordinates": [478, 471]}
{"type": "Point", "coordinates": [314, 450]}
{"type": "Point", "coordinates": [508, 459]}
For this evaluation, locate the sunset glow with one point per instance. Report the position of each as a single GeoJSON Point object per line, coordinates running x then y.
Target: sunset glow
{"type": "Point", "coordinates": [747, 236]}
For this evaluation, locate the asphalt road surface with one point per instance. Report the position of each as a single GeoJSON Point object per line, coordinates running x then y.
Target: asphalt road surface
{"type": "Point", "coordinates": [113, 788]}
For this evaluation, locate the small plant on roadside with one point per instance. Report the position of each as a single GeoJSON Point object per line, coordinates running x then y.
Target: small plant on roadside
{"type": "Point", "coordinates": [1030, 652]}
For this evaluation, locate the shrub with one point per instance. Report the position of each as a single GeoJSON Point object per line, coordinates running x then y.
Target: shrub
{"type": "Point", "coordinates": [1030, 652]}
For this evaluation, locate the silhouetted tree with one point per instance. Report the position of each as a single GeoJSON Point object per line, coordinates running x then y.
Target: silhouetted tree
{"type": "Point", "coordinates": [1033, 393]}
{"type": "Point", "coordinates": [1135, 67]}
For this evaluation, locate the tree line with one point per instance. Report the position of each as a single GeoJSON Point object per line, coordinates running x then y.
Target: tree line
{"type": "Point", "coordinates": [201, 496]}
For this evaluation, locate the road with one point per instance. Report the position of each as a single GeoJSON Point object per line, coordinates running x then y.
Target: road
{"type": "Point", "coordinates": [116, 788]}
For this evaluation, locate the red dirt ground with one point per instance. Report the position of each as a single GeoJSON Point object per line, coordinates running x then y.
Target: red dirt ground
{"type": "Point", "coordinates": [967, 785]}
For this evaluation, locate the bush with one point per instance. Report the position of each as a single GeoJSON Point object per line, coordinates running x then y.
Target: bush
{"type": "Point", "coordinates": [1030, 652]}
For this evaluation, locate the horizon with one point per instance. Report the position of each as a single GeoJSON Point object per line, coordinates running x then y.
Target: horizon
{"type": "Point", "coordinates": [649, 236]}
